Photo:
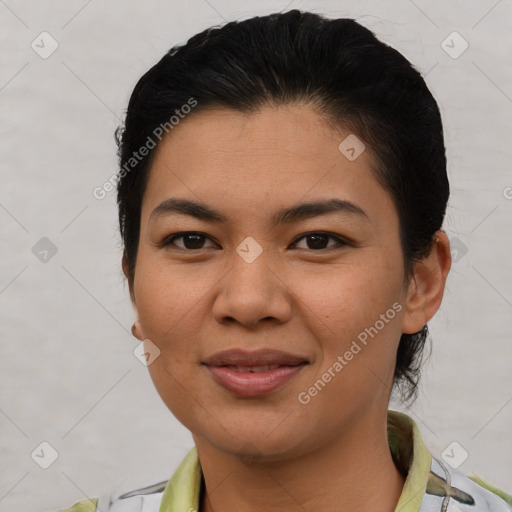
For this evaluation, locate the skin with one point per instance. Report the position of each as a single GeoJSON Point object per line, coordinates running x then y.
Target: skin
{"type": "Point", "coordinates": [272, 452]}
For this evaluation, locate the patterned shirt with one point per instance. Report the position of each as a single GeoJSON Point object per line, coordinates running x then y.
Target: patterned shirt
{"type": "Point", "coordinates": [431, 485]}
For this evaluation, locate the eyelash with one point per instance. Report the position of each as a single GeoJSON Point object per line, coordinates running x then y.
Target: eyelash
{"type": "Point", "coordinates": [341, 242]}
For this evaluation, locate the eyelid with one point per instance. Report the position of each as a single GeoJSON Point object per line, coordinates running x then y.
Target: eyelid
{"type": "Point", "coordinates": [341, 241]}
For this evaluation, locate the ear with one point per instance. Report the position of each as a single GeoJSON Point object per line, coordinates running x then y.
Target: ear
{"type": "Point", "coordinates": [124, 264]}
{"type": "Point", "coordinates": [426, 286]}
{"type": "Point", "coordinates": [136, 328]}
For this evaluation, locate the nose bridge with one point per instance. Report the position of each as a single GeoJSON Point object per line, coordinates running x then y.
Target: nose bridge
{"type": "Point", "coordinates": [252, 268]}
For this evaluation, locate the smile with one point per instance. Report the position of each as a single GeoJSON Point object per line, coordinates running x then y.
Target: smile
{"type": "Point", "coordinates": [251, 381]}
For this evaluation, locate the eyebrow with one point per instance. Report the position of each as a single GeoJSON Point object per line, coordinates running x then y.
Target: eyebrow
{"type": "Point", "coordinates": [285, 216]}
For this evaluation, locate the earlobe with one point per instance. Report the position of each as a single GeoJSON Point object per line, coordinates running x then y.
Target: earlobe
{"type": "Point", "coordinates": [137, 331]}
{"type": "Point", "coordinates": [426, 287]}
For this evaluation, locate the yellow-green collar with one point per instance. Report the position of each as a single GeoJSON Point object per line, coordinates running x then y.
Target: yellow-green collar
{"type": "Point", "coordinates": [409, 452]}
{"type": "Point", "coordinates": [182, 492]}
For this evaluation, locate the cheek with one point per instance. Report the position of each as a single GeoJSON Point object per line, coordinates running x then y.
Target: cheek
{"type": "Point", "coordinates": [348, 298]}
{"type": "Point", "coordinates": [178, 388]}
{"type": "Point", "coordinates": [168, 299]}
{"type": "Point", "coordinates": [354, 314]}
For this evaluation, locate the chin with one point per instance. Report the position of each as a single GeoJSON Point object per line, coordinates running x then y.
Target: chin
{"type": "Point", "coordinates": [254, 440]}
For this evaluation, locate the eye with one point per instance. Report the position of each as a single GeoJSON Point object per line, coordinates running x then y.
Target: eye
{"type": "Point", "coordinates": [191, 240]}
{"type": "Point", "coordinates": [195, 241]}
{"type": "Point", "coordinates": [318, 240]}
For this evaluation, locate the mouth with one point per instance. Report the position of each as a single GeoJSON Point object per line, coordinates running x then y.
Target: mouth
{"type": "Point", "coordinates": [254, 359]}
{"type": "Point", "coordinates": [254, 369]}
{"type": "Point", "coordinates": [255, 373]}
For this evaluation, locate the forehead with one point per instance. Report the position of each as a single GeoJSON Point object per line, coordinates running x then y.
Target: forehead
{"type": "Point", "coordinates": [293, 131]}
{"type": "Point", "coordinates": [275, 156]}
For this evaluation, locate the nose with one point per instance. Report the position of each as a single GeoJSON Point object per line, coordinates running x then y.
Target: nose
{"type": "Point", "coordinates": [251, 292]}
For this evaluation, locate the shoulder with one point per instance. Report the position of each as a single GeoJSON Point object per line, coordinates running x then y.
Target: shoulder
{"type": "Point", "coordinates": [143, 499]}
{"type": "Point", "coordinates": [466, 493]}
{"type": "Point", "coordinates": [83, 506]}
{"type": "Point", "coordinates": [492, 497]}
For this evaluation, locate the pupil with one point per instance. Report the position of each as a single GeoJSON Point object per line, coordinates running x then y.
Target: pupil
{"type": "Point", "coordinates": [317, 239]}
{"type": "Point", "coordinates": [196, 241]}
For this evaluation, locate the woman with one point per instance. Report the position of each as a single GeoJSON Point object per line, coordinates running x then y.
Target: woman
{"type": "Point", "coordinates": [281, 193]}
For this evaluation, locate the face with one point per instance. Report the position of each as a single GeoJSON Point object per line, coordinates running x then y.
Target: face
{"type": "Point", "coordinates": [324, 285]}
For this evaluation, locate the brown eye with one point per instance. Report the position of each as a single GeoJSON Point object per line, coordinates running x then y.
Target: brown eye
{"type": "Point", "coordinates": [319, 240]}
{"type": "Point", "coordinates": [191, 240]}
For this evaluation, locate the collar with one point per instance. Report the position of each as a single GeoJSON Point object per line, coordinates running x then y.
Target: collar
{"type": "Point", "coordinates": [410, 455]}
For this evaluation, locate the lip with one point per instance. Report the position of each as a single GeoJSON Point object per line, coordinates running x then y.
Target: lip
{"type": "Point", "coordinates": [261, 357]}
{"type": "Point", "coordinates": [249, 383]}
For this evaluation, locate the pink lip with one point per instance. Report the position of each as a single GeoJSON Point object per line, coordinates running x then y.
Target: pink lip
{"type": "Point", "coordinates": [251, 383]}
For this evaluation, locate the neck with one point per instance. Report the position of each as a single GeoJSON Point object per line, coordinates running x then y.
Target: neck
{"type": "Point", "coordinates": [354, 471]}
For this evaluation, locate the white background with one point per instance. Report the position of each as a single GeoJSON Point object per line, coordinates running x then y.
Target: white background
{"type": "Point", "coordinates": [67, 372]}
